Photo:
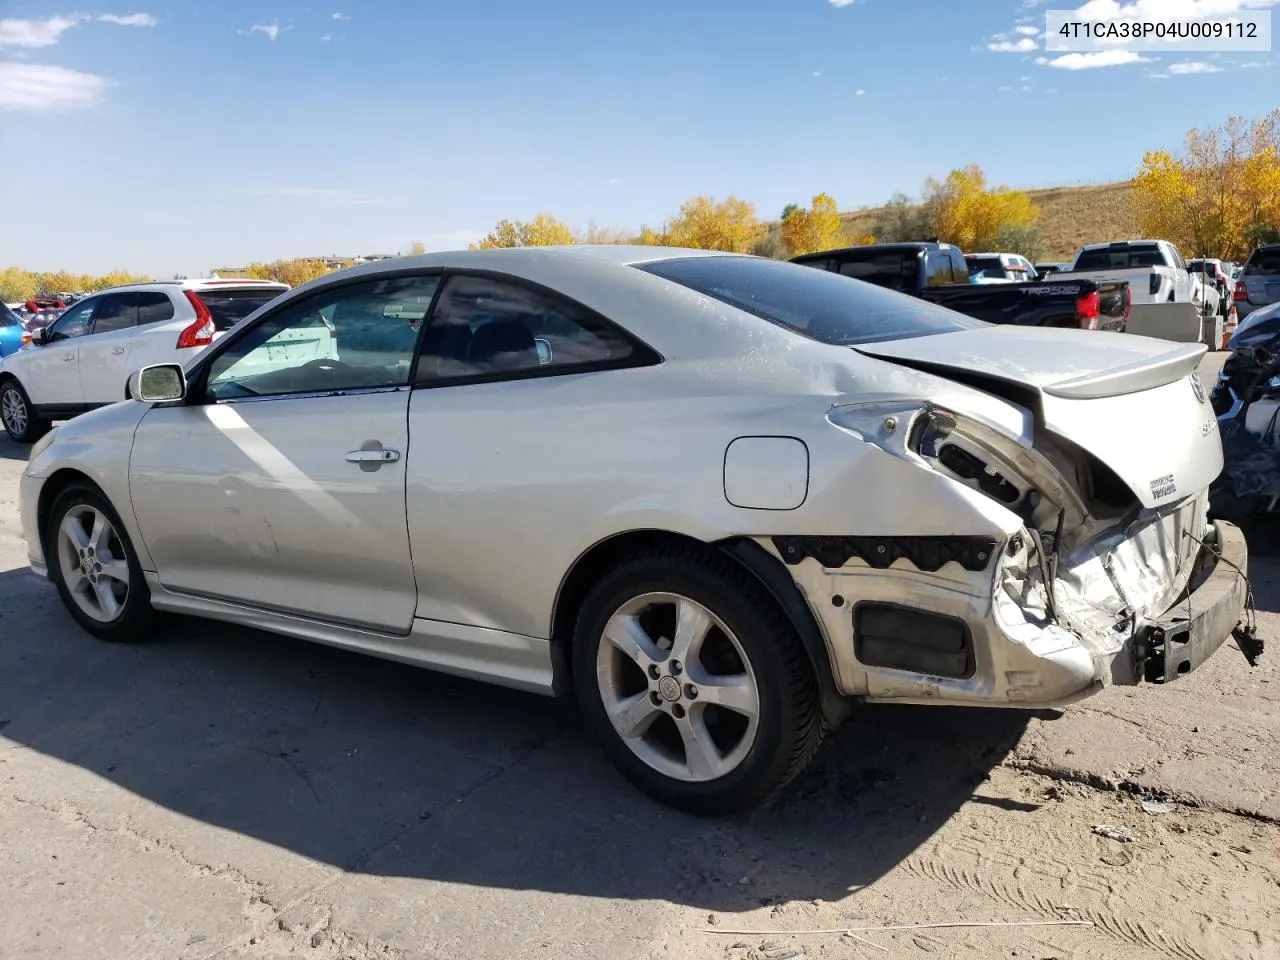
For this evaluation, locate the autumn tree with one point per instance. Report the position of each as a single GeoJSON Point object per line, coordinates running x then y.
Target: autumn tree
{"type": "Point", "coordinates": [543, 230]}
{"type": "Point", "coordinates": [703, 224]}
{"type": "Point", "coordinates": [902, 221]}
{"type": "Point", "coordinates": [1220, 195]}
{"type": "Point", "coordinates": [293, 272]}
{"type": "Point", "coordinates": [771, 245]}
{"type": "Point", "coordinates": [417, 248]}
{"type": "Point", "coordinates": [817, 228]}
{"type": "Point", "coordinates": [964, 212]}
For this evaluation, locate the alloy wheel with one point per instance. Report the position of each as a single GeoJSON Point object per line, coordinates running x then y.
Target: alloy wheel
{"type": "Point", "coordinates": [13, 411]}
{"type": "Point", "coordinates": [93, 563]}
{"type": "Point", "coordinates": [678, 687]}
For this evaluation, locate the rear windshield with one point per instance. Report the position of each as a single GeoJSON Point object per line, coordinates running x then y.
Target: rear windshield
{"type": "Point", "coordinates": [894, 269]}
{"type": "Point", "coordinates": [1127, 257]}
{"type": "Point", "coordinates": [230, 305]}
{"type": "Point", "coordinates": [979, 264]}
{"type": "Point", "coordinates": [1263, 262]}
{"type": "Point", "coordinates": [820, 305]}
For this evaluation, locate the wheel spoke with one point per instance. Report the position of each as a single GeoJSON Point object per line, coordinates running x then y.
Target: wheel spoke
{"type": "Point", "coordinates": [701, 754]}
{"type": "Point", "coordinates": [116, 570]}
{"type": "Point", "coordinates": [736, 693]}
{"type": "Point", "coordinates": [107, 601]}
{"type": "Point", "coordinates": [74, 531]}
{"type": "Point", "coordinates": [101, 531]}
{"type": "Point", "coordinates": [625, 632]}
{"type": "Point", "coordinates": [77, 582]}
{"type": "Point", "coordinates": [693, 623]}
{"type": "Point", "coordinates": [633, 716]}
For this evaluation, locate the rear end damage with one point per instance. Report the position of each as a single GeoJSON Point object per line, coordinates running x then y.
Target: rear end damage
{"type": "Point", "coordinates": [1101, 568]}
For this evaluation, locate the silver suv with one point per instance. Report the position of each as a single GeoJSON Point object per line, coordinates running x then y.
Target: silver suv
{"type": "Point", "coordinates": [1259, 283]}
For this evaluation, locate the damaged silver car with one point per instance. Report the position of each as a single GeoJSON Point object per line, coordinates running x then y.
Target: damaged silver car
{"type": "Point", "coordinates": [714, 498]}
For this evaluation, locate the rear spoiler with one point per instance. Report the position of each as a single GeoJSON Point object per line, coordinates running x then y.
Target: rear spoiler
{"type": "Point", "coordinates": [1134, 377]}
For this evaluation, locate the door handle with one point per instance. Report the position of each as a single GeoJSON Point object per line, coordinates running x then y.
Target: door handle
{"type": "Point", "coordinates": [373, 456]}
{"type": "Point", "coordinates": [118, 350]}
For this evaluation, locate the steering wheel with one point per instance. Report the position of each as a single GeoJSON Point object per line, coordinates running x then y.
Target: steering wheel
{"type": "Point", "coordinates": [328, 366]}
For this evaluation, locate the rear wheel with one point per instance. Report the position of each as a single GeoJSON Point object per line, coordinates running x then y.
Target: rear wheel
{"type": "Point", "coordinates": [95, 567]}
{"type": "Point", "coordinates": [694, 682]}
{"type": "Point", "coordinates": [17, 414]}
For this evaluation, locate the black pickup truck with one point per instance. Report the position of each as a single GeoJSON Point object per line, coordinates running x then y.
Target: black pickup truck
{"type": "Point", "coordinates": [937, 272]}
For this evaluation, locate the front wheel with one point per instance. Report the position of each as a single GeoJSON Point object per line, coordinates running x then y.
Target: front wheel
{"type": "Point", "coordinates": [695, 682]}
{"type": "Point", "coordinates": [95, 568]}
{"type": "Point", "coordinates": [18, 416]}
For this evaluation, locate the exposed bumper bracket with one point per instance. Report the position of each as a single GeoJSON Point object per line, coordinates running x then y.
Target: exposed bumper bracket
{"type": "Point", "coordinates": [1193, 629]}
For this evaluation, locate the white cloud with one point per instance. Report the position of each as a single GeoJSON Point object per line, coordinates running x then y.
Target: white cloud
{"type": "Point", "coordinates": [29, 86]}
{"type": "Point", "coordinates": [1027, 30]}
{"type": "Point", "coordinates": [272, 30]}
{"type": "Point", "coordinates": [1013, 46]}
{"type": "Point", "coordinates": [860, 93]}
{"type": "Point", "coordinates": [326, 38]}
{"type": "Point", "coordinates": [843, 3]}
{"type": "Point", "coordinates": [132, 20]}
{"type": "Point", "coordinates": [1253, 65]}
{"type": "Point", "coordinates": [1193, 66]}
{"type": "Point", "coordinates": [342, 16]}
{"type": "Point", "coordinates": [614, 181]}
{"type": "Point", "coordinates": [1004, 89]}
{"type": "Point", "coordinates": [36, 33]}
{"type": "Point", "coordinates": [817, 73]}
{"type": "Point", "coordinates": [1092, 61]}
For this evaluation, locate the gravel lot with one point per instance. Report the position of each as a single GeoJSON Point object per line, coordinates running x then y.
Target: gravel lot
{"type": "Point", "coordinates": [223, 793]}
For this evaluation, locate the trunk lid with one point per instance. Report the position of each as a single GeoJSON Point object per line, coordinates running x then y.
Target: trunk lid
{"type": "Point", "coordinates": [1134, 403]}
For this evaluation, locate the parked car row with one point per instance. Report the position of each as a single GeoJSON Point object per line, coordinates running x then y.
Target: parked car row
{"type": "Point", "coordinates": [713, 498]}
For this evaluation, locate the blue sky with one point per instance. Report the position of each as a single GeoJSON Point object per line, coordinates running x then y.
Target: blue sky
{"type": "Point", "coordinates": [178, 136]}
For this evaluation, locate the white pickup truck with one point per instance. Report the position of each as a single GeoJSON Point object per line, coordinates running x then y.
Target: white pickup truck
{"type": "Point", "coordinates": [1155, 269]}
{"type": "Point", "coordinates": [1168, 300]}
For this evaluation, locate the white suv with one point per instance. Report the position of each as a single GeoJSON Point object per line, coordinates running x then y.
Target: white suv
{"type": "Point", "coordinates": [84, 358]}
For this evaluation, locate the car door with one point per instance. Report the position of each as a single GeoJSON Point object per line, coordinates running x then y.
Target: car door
{"type": "Point", "coordinates": [49, 371]}
{"type": "Point", "coordinates": [103, 353]}
{"type": "Point", "coordinates": [280, 482]}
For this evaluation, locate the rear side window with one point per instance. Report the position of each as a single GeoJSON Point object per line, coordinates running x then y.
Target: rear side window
{"type": "Point", "coordinates": [230, 305]}
{"type": "Point", "coordinates": [1263, 263]}
{"type": "Point", "coordinates": [821, 306]}
{"type": "Point", "coordinates": [154, 308]}
{"type": "Point", "coordinates": [491, 328]}
{"type": "Point", "coordinates": [116, 311]}
{"type": "Point", "coordinates": [937, 267]}
{"type": "Point", "coordinates": [894, 269]}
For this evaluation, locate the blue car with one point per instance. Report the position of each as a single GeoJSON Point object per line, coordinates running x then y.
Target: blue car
{"type": "Point", "coordinates": [11, 331]}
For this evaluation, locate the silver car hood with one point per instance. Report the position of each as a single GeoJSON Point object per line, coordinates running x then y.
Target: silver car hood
{"type": "Point", "coordinates": [1133, 402]}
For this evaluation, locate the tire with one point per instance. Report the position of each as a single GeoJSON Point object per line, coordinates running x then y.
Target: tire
{"type": "Point", "coordinates": [17, 414]}
{"type": "Point", "coordinates": [736, 762]}
{"type": "Point", "coordinates": [84, 579]}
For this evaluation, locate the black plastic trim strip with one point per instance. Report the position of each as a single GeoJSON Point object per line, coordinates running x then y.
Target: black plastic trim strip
{"type": "Point", "coordinates": [929, 554]}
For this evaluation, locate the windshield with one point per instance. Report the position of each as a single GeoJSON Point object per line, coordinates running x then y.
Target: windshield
{"type": "Point", "coordinates": [820, 305]}
{"type": "Point", "coordinates": [1263, 262]}
{"type": "Point", "coordinates": [230, 305]}
{"type": "Point", "coordinates": [1127, 257]}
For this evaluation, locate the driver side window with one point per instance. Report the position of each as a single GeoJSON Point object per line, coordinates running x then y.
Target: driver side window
{"type": "Point", "coordinates": [73, 323]}
{"type": "Point", "coordinates": [354, 337]}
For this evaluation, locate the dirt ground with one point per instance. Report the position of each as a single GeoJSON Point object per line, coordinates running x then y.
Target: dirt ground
{"type": "Point", "coordinates": [223, 793]}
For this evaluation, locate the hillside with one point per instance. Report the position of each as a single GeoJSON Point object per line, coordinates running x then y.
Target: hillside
{"type": "Point", "coordinates": [1069, 217]}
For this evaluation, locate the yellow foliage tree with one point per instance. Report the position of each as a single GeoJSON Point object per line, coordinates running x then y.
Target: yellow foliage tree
{"type": "Point", "coordinates": [417, 248]}
{"type": "Point", "coordinates": [293, 272]}
{"type": "Point", "coordinates": [543, 230]}
{"type": "Point", "coordinates": [1218, 196]}
{"type": "Point", "coordinates": [814, 229]}
{"type": "Point", "coordinates": [703, 224]}
{"type": "Point", "coordinates": [964, 212]}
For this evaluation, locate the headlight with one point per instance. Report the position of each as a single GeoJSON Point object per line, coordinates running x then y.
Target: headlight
{"type": "Point", "coordinates": [41, 445]}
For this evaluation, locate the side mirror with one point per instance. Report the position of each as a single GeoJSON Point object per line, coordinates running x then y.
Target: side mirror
{"type": "Point", "coordinates": [160, 383]}
{"type": "Point", "coordinates": [544, 350]}
{"type": "Point", "coordinates": [39, 334]}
